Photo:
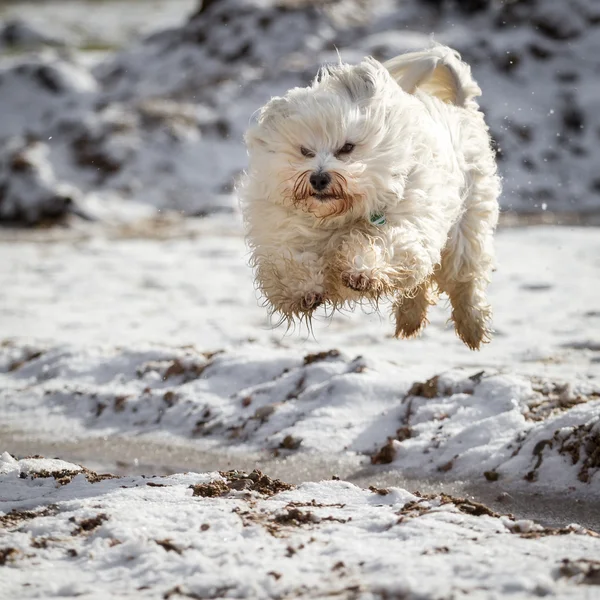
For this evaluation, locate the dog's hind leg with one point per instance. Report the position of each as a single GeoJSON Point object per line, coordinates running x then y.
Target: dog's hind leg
{"type": "Point", "coordinates": [410, 310]}
{"type": "Point", "coordinates": [465, 270]}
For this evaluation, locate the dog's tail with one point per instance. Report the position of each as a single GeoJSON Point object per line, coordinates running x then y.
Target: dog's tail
{"type": "Point", "coordinates": [438, 71]}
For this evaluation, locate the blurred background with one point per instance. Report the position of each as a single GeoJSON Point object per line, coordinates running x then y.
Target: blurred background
{"type": "Point", "coordinates": [116, 110]}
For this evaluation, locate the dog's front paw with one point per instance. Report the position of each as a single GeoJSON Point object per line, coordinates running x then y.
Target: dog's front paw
{"type": "Point", "coordinates": [311, 301]}
{"type": "Point", "coordinates": [362, 282]}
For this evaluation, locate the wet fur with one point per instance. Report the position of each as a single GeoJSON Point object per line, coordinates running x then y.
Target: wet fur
{"type": "Point", "coordinates": [422, 158]}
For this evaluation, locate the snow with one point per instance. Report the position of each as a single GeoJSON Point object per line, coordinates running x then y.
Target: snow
{"type": "Point", "coordinates": [167, 341]}
{"type": "Point", "coordinates": [165, 537]}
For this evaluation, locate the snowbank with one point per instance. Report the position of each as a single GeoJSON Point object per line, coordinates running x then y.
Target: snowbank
{"type": "Point", "coordinates": [475, 426]}
{"type": "Point", "coordinates": [243, 535]}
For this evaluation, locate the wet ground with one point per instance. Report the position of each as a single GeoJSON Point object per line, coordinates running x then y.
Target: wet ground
{"type": "Point", "coordinates": [149, 457]}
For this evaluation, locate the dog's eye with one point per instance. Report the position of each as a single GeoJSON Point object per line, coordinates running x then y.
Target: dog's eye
{"type": "Point", "coordinates": [306, 152]}
{"type": "Point", "coordinates": [346, 148]}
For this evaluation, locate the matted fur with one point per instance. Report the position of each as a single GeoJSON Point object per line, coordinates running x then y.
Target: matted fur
{"type": "Point", "coordinates": [421, 157]}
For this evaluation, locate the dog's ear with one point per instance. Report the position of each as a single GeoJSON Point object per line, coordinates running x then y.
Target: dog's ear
{"type": "Point", "coordinates": [324, 72]}
{"type": "Point", "coordinates": [359, 82]}
{"type": "Point", "coordinates": [275, 109]}
{"type": "Point", "coordinates": [438, 71]}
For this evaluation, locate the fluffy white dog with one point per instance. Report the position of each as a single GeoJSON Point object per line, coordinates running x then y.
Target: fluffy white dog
{"type": "Point", "coordinates": [378, 180]}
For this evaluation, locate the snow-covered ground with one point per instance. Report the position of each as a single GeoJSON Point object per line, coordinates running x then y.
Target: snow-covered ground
{"type": "Point", "coordinates": [166, 338]}
{"type": "Point", "coordinates": [67, 532]}
{"type": "Point", "coordinates": [144, 348]}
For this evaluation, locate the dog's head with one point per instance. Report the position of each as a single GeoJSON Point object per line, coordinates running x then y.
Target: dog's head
{"type": "Point", "coordinates": [328, 148]}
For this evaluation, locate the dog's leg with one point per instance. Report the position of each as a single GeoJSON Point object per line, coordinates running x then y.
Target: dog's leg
{"type": "Point", "coordinates": [465, 270]}
{"type": "Point", "coordinates": [396, 260]}
{"type": "Point", "coordinates": [410, 310]}
{"type": "Point", "coordinates": [294, 284]}
{"type": "Point", "coordinates": [358, 266]}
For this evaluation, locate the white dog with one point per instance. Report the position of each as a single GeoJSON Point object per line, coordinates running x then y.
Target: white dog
{"type": "Point", "coordinates": [377, 180]}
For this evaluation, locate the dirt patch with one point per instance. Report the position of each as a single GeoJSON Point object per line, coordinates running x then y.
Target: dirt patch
{"type": "Point", "coordinates": [309, 359]}
{"type": "Point", "coordinates": [580, 444]}
{"type": "Point", "coordinates": [432, 388]}
{"type": "Point", "coordinates": [552, 398]}
{"type": "Point", "coordinates": [261, 483]}
{"type": "Point", "coordinates": [585, 571]}
{"type": "Point", "coordinates": [8, 554]}
{"type": "Point", "coordinates": [87, 525]}
{"type": "Point", "coordinates": [379, 491]}
{"type": "Point", "coordinates": [428, 502]}
{"type": "Point", "coordinates": [552, 531]}
{"type": "Point", "coordinates": [385, 455]}
{"type": "Point", "coordinates": [16, 517]}
{"type": "Point", "coordinates": [182, 591]}
{"type": "Point", "coordinates": [239, 481]}
{"type": "Point", "coordinates": [425, 389]}
{"type": "Point", "coordinates": [29, 356]}
{"type": "Point", "coordinates": [169, 546]}
{"type": "Point", "coordinates": [491, 475]}
{"type": "Point", "coordinates": [188, 368]}
{"type": "Point", "coordinates": [65, 476]}
{"type": "Point", "coordinates": [294, 516]}
{"type": "Point", "coordinates": [212, 489]}
{"type": "Point", "coordinates": [290, 442]}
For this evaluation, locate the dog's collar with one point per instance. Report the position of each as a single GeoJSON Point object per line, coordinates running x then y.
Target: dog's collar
{"type": "Point", "coordinates": [377, 218]}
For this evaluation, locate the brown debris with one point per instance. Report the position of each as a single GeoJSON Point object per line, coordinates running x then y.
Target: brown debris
{"type": "Point", "coordinates": [585, 570]}
{"type": "Point", "coordinates": [385, 455]}
{"type": "Point", "coordinates": [261, 483]}
{"type": "Point", "coordinates": [379, 491]}
{"type": "Point", "coordinates": [446, 467]}
{"type": "Point", "coordinates": [416, 508]}
{"type": "Point", "coordinates": [88, 525]}
{"type": "Point", "coordinates": [212, 489]}
{"type": "Point", "coordinates": [169, 546]}
{"type": "Point", "coordinates": [404, 433]}
{"type": "Point", "coordinates": [119, 403]}
{"type": "Point", "coordinates": [65, 476]}
{"type": "Point", "coordinates": [294, 516]}
{"type": "Point", "coordinates": [469, 506]}
{"type": "Point", "coordinates": [309, 359]}
{"type": "Point", "coordinates": [170, 398]}
{"type": "Point", "coordinates": [426, 389]}
{"type": "Point", "coordinates": [31, 355]}
{"type": "Point", "coordinates": [179, 590]}
{"type": "Point", "coordinates": [241, 481]}
{"type": "Point", "coordinates": [15, 516]}
{"type": "Point", "coordinates": [289, 442]}
{"type": "Point", "coordinates": [552, 398]}
{"type": "Point", "coordinates": [7, 554]}
{"type": "Point", "coordinates": [582, 444]}
{"type": "Point", "coordinates": [189, 372]}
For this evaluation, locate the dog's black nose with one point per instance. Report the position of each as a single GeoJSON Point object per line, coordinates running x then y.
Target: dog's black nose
{"type": "Point", "coordinates": [320, 180]}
